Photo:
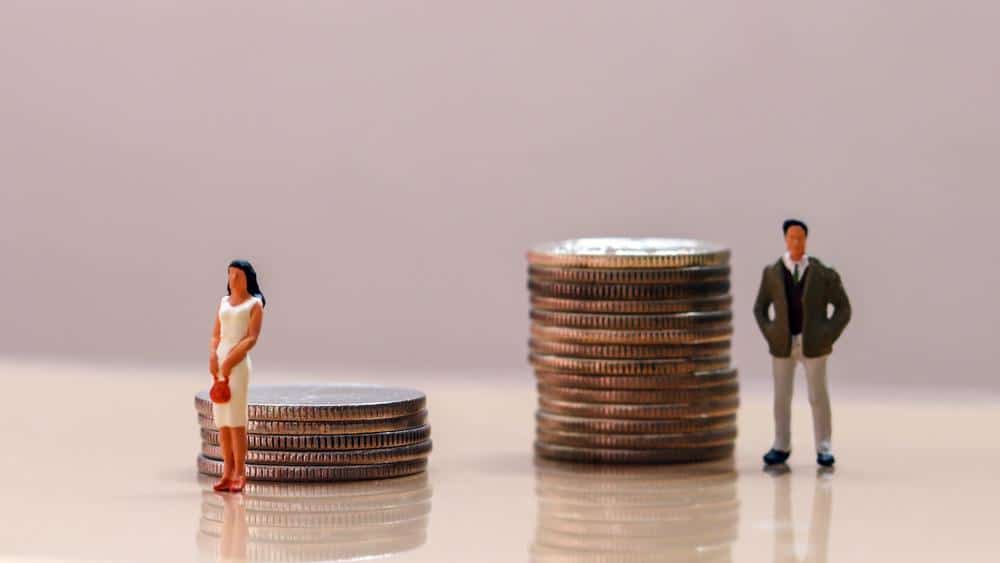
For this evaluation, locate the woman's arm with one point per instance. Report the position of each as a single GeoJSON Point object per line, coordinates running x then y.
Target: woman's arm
{"type": "Point", "coordinates": [239, 351]}
{"type": "Point", "coordinates": [213, 358]}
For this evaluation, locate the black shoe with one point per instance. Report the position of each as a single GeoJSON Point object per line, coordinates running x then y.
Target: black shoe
{"type": "Point", "coordinates": [826, 460]}
{"type": "Point", "coordinates": [774, 457]}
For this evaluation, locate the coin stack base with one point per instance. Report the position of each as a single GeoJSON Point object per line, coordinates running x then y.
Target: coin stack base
{"type": "Point", "coordinates": [630, 342]}
{"type": "Point", "coordinates": [332, 432]}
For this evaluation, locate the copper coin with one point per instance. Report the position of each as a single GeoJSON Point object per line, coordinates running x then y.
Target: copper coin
{"type": "Point", "coordinates": [639, 337]}
{"type": "Point", "coordinates": [699, 274]}
{"type": "Point", "coordinates": [630, 351]}
{"type": "Point", "coordinates": [718, 437]}
{"type": "Point", "coordinates": [653, 292]}
{"type": "Point", "coordinates": [627, 367]}
{"type": "Point", "coordinates": [639, 396]}
{"type": "Point", "coordinates": [647, 412]}
{"type": "Point", "coordinates": [325, 402]}
{"type": "Point", "coordinates": [677, 321]}
{"type": "Point", "coordinates": [620, 252]}
{"type": "Point", "coordinates": [392, 438]}
{"type": "Point", "coordinates": [318, 472]}
{"type": "Point", "coordinates": [419, 450]}
{"type": "Point", "coordinates": [604, 455]}
{"type": "Point", "coordinates": [694, 380]}
{"type": "Point", "coordinates": [319, 427]}
{"type": "Point", "coordinates": [563, 423]}
{"type": "Point", "coordinates": [690, 305]}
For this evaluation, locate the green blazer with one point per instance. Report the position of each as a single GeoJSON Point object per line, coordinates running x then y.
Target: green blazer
{"type": "Point", "coordinates": [819, 332]}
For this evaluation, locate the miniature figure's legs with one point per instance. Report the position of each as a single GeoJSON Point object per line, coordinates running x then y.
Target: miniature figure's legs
{"type": "Point", "coordinates": [819, 400]}
{"type": "Point", "coordinates": [228, 459]}
{"type": "Point", "coordinates": [239, 441]}
{"type": "Point", "coordinates": [784, 384]}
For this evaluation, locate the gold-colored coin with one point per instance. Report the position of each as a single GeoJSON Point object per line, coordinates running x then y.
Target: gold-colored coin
{"type": "Point", "coordinates": [652, 292]}
{"type": "Point", "coordinates": [604, 455]}
{"type": "Point", "coordinates": [630, 351]}
{"type": "Point", "coordinates": [564, 423]}
{"type": "Point", "coordinates": [676, 321]}
{"type": "Point", "coordinates": [697, 274]}
{"type": "Point", "coordinates": [628, 253]}
{"type": "Point", "coordinates": [627, 367]}
{"type": "Point", "coordinates": [639, 396]}
{"type": "Point", "coordinates": [694, 380]}
{"type": "Point", "coordinates": [718, 437]}
{"type": "Point", "coordinates": [694, 304]}
{"type": "Point", "coordinates": [644, 337]}
{"type": "Point", "coordinates": [710, 409]}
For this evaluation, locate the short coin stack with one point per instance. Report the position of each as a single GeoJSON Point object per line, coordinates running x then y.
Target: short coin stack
{"type": "Point", "coordinates": [630, 342]}
{"type": "Point", "coordinates": [330, 432]}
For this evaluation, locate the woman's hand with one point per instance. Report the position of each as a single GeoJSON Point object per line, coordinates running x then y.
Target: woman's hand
{"type": "Point", "coordinates": [226, 368]}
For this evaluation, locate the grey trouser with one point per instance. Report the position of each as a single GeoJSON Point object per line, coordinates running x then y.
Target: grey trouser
{"type": "Point", "coordinates": [819, 398]}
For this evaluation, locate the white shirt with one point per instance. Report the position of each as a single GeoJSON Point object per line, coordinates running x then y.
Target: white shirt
{"type": "Point", "coordinates": [790, 264]}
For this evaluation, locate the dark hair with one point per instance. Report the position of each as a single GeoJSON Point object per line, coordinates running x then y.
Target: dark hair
{"type": "Point", "coordinates": [253, 288]}
{"type": "Point", "coordinates": [789, 223]}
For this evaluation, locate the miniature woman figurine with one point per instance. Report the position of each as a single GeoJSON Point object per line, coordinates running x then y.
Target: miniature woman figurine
{"type": "Point", "coordinates": [237, 327]}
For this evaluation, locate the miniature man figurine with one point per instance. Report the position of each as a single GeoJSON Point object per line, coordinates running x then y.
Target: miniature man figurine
{"type": "Point", "coordinates": [800, 287]}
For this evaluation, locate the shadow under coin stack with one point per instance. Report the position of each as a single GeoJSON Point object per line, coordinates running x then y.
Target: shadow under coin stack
{"type": "Point", "coordinates": [630, 342]}
{"type": "Point", "coordinates": [330, 432]}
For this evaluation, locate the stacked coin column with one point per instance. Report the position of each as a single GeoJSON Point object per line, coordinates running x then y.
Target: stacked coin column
{"type": "Point", "coordinates": [326, 432]}
{"type": "Point", "coordinates": [630, 342]}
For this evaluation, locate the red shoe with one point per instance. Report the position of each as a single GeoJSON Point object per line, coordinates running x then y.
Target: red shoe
{"type": "Point", "coordinates": [238, 484]}
{"type": "Point", "coordinates": [222, 485]}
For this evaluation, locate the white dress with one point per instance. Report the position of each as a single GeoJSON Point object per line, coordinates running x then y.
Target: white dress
{"type": "Point", "coordinates": [234, 321]}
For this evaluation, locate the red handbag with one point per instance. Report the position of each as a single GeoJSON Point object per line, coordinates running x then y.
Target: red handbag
{"type": "Point", "coordinates": [220, 392]}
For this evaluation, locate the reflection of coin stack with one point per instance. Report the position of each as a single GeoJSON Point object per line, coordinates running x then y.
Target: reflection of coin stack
{"type": "Point", "coordinates": [592, 513]}
{"type": "Point", "coordinates": [314, 521]}
{"type": "Point", "coordinates": [325, 433]}
{"type": "Point", "coordinates": [630, 342]}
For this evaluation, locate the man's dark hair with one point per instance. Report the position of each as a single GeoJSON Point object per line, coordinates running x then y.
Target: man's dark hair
{"type": "Point", "coordinates": [789, 223]}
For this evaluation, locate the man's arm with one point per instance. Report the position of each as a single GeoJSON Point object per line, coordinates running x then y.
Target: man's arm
{"type": "Point", "coordinates": [762, 303]}
{"type": "Point", "coordinates": [841, 306]}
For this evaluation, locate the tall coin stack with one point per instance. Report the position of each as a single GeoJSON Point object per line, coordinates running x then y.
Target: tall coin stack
{"type": "Point", "coordinates": [630, 342]}
{"type": "Point", "coordinates": [325, 432]}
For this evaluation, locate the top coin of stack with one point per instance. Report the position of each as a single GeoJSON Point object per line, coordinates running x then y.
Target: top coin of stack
{"type": "Point", "coordinates": [630, 342]}
{"type": "Point", "coordinates": [331, 432]}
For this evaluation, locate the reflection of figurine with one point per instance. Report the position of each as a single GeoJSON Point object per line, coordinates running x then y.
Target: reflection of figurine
{"type": "Point", "coordinates": [819, 524]}
{"type": "Point", "coordinates": [237, 326]}
{"type": "Point", "coordinates": [800, 287]}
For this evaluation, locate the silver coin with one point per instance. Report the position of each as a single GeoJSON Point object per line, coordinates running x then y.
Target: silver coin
{"type": "Point", "coordinates": [318, 472]}
{"type": "Point", "coordinates": [342, 492]}
{"type": "Point", "coordinates": [320, 427]}
{"type": "Point", "coordinates": [551, 421]}
{"type": "Point", "coordinates": [324, 402]}
{"type": "Point", "coordinates": [419, 450]}
{"type": "Point", "coordinates": [369, 440]}
{"type": "Point", "coordinates": [619, 252]}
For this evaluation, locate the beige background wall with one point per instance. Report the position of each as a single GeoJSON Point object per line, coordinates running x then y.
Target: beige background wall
{"type": "Point", "coordinates": [385, 164]}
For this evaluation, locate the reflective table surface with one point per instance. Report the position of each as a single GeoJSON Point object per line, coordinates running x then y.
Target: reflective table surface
{"type": "Point", "coordinates": [99, 464]}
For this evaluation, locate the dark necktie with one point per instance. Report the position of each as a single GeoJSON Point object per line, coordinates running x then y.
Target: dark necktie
{"type": "Point", "coordinates": [795, 274]}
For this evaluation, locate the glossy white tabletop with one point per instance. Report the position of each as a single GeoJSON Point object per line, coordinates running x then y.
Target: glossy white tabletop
{"type": "Point", "coordinates": [98, 464]}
